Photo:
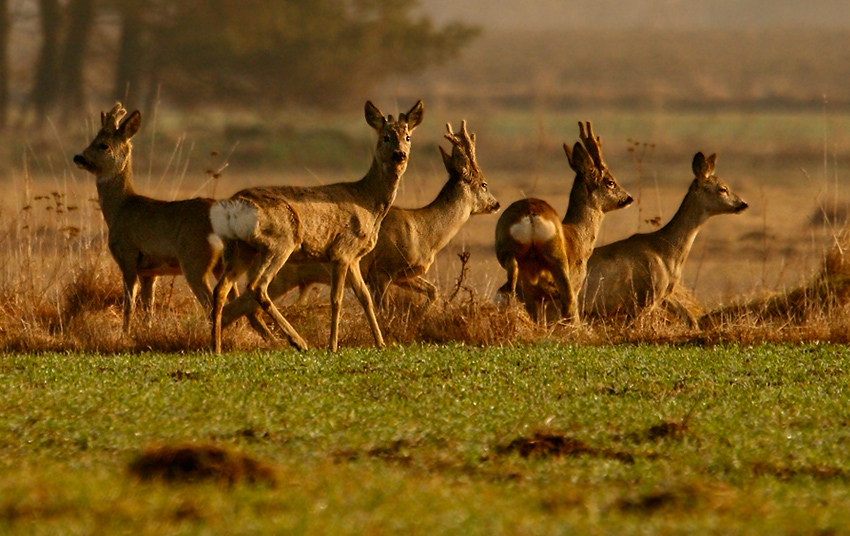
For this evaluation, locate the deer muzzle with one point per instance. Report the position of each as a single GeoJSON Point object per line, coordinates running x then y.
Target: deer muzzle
{"type": "Point", "coordinates": [626, 202]}
{"type": "Point", "coordinates": [81, 162]}
{"type": "Point", "coordinates": [742, 207]}
{"type": "Point", "coordinates": [400, 157]}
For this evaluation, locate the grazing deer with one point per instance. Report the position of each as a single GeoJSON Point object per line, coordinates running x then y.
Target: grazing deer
{"type": "Point", "coordinates": [409, 239]}
{"type": "Point", "coordinates": [147, 237]}
{"type": "Point", "coordinates": [265, 227]}
{"type": "Point", "coordinates": [536, 249]}
{"type": "Point", "coordinates": [642, 271]}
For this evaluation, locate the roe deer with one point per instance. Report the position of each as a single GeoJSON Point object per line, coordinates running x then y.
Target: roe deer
{"type": "Point", "coordinates": [265, 227]}
{"type": "Point", "coordinates": [641, 272]}
{"type": "Point", "coordinates": [535, 248]}
{"type": "Point", "coordinates": [147, 237]}
{"type": "Point", "coordinates": [409, 239]}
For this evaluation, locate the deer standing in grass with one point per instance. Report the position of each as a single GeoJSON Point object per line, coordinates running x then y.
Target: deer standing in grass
{"type": "Point", "coordinates": [535, 248]}
{"type": "Point", "coordinates": [148, 237]}
{"type": "Point", "coordinates": [264, 228]}
{"type": "Point", "coordinates": [409, 239]}
{"type": "Point", "coordinates": [641, 272]}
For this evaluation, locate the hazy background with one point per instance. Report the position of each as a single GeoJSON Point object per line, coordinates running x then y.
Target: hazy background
{"type": "Point", "coordinates": [272, 92]}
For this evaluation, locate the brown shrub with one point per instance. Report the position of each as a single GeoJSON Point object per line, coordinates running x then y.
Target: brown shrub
{"type": "Point", "coordinates": [193, 463]}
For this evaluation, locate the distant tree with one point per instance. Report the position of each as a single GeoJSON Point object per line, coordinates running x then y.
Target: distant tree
{"type": "Point", "coordinates": [4, 62]}
{"type": "Point", "coordinates": [44, 88]}
{"type": "Point", "coordinates": [131, 62]}
{"type": "Point", "coordinates": [59, 74]}
{"type": "Point", "coordinates": [74, 54]}
{"type": "Point", "coordinates": [321, 52]}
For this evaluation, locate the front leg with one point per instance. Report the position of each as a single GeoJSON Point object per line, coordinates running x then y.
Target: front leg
{"type": "Point", "coordinates": [340, 271]}
{"type": "Point", "coordinates": [148, 288]}
{"type": "Point", "coordinates": [362, 292]}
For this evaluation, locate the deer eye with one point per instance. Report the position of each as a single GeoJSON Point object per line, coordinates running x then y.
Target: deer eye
{"type": "Point", "coordinates": [407, 138]}
{"type": "Point", "coordinates": [724, 190]}
{"type": "Point", "coordinates": [105, 147]}
{"type": "Point", "coordinates": [610, 184]}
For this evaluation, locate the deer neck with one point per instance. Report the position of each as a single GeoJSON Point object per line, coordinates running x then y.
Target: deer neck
{"type": "Point", "coordinates": [113, 190]}
{"type": "Point", "coordinates": [679, 234]}
{"type": "Point", "coordinates": [445, 215]}
{"type": "Point", "coordinates": [380, 186]}
{"type": "Point", "coordinates": [585, 218]}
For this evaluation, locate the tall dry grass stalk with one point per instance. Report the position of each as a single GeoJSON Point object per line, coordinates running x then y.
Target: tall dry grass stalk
{"type": "Point", "coordinates": [60, 290]}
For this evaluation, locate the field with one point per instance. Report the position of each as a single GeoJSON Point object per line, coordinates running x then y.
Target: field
{"type": "Point", "coordinates": [546, 438]}
{"type": "Point", "coordinates": [474, 420]}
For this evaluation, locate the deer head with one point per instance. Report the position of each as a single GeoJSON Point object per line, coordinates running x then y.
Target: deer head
{"type": "Point", "coordinates": [600, 185]}
{"type": "Point", "coordinates": [394, 136]}
{"type": "Point", "coordinates": [109, 152]}
{"type": "Point", "coordinates": [715, 195]}
{"type": "Point", "coordinates": [463, 169]}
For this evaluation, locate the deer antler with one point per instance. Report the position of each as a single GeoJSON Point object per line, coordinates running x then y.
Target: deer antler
{"type": "Point", "coordinates": [112, 118]}
{"type": "Point", "coordinates": [463, 140]}
{"type": "Point", "coordinates": [591, 143]}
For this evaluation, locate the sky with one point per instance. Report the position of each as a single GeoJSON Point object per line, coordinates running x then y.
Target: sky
{"type": "Point", "coordinates": [684, 14]}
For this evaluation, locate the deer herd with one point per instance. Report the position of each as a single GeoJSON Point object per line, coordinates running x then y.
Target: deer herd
{"type": "Point", "coordinates": [351, 234]}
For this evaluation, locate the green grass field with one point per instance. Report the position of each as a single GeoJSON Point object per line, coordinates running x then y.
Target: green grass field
{"type": "Point", "coordinates": [540, 439]}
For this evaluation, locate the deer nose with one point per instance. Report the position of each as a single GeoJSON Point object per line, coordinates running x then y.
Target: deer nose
{"type": "Point", "coordinates": [80, 161]}
{"type": "Point", "coordinates": [626, 202]}
{"type": "Point", "coordinates": [742, 207]}
{"type": "Point", "coordinates": [399, 156]}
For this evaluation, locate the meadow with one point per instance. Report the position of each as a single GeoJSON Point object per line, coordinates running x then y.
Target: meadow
{"type": "Point", "coordinates": [474, 420]}
{"type": "Point", "coordinates": [542, 438]}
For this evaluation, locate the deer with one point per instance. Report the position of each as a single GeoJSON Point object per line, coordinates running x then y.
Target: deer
{"type": "Point", "coordinates": [263, 228]}
{"type": "Point", "coordinates": [641, 272]}
{"type": "Point", "coordinates": [408, 240]}
{"type": "Point", "coordinates": [148, 238]}
{"type": "Point", "coordinates": [539, 251]}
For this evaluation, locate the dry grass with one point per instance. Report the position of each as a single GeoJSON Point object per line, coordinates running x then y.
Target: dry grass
{"type": "Point", "coordinates": [61, 291]}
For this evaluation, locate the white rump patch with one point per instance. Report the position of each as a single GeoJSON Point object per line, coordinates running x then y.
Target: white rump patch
{"type": "Point", "coordinates": [215, 242]}
{"type": "Point", "coordinates": [532, 229]}
{"type": "Point", "coordinates": [233, 219]}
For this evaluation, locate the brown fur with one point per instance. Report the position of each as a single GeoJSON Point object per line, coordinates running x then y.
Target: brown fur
{"type": "Point", "coordinates": [148, 238]}
{"type": "Point", "coordinates": [534, 247]}
{"type": "Point", "coordinates": [335, 223]}
{"type": "Point", "coordinates": [642, 272]}
{"type": "Point", "coordinates": [409, 239]}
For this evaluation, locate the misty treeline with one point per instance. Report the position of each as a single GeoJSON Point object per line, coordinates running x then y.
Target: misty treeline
{"type": "Point", "coordinates": [325, 53]}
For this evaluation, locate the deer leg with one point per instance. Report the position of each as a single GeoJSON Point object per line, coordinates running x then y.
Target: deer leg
{"type": "Point", "coordinates": [198, 280]}
{"type": "Point", "coordinates": [130, 287]}
{"type": "Point", "coordinates": [569, 303]}
{"type": "Point", "coordinates": [264, 269]}
{"type": "Point", "coordinates": [362, 293]}
{"type": "Point", "coordinates": [340, 270]}
{"type": "Point", "coordinates": [421, 285]}
{"type": "Point", "coordinates": [222, 289]}
{"type": "Point", "coordinates": [512, 269]}
{"type": "Point", "coordinates": [148, 285]}
{"type": "Point", "coordinates": [379, 283]}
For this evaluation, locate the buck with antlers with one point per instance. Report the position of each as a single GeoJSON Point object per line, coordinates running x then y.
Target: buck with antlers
{"type": "Point", "coordinates": [148, 237]}
{"type": "Point", "coordinates": [641, 272]}
{"type": "Point", "coordinates": [409, 239]}
{"type": "Point", "coordinates": [264, 228]}
{"type": "Point", "coordinates": [539, 252]}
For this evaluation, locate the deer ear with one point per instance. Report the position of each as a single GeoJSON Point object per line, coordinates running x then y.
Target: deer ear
{"type": "Point", "coordinates": [374, 116]}
{"type": "Point", "coordinates": [581, 160]}
{"type": "Point", "coordinates": [447, 159]}
{"type": "Point", "coordinates": [702, 168]}
{"type": "Point", "coordinates": [102, 119]}
{"type": "Point", "coordinates": [415, 115]}
{"type": "Point", "coordinates": [131, 125]}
